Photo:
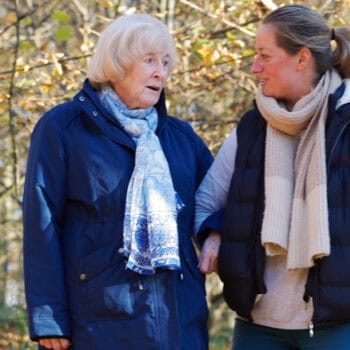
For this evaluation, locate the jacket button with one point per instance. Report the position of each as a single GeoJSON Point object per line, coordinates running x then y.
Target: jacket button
{"type": "Point", "coordinates": [140, 286]}
{"type": "Point", "coordinates": [181, 276]}
{"type": "Point", "coordinates": [82, 98]}
{"type": "Point", "coordinates": [82, 277]}
{"type": "Point", "coordinates": [95, 114]}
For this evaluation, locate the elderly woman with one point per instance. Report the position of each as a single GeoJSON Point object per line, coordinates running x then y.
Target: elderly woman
{"type": "Point", "coordinates": [278, 193]}
{"type": "Point", "coordinates": [109, 203]}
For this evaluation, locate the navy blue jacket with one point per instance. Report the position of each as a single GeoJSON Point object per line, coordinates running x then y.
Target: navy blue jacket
{"type": "Point", "coordinates": [241, 261]}
{"type": "Point", "coordinates": [76, 284]}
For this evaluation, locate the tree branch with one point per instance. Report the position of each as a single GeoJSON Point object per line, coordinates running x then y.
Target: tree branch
{"type": "Point", "coordinates": [225, 21]}
{"type": "Point", "coordinates": [12, 126]}
{"type": "Point", "coordinates": [228, 29]}
{"type": "Point", "coordinates": [269, 4]}
{"type": "Point", "coordinates": [62, 60]}
{"type": "Point", "coordinates": [24, 15]}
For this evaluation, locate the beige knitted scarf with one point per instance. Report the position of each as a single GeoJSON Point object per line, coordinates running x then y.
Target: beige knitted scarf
{"type": "Point", "coordinates": [296, 210]}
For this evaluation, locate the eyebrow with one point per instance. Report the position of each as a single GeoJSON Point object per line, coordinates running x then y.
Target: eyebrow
{"type": "Point", "coordinates": [268, 49]}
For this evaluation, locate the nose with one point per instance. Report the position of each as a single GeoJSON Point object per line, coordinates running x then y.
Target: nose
{"type": "Point", "coordinates": [256, 67]}
{"type": "Point", "coordinates": [160, 71]}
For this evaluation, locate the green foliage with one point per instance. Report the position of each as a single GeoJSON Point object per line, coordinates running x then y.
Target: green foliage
{"type": "Point", "coordinates": [25, 44]}
{"type": "Point", "coordinates": [13, 329]}
{"type": "Point", "coordinates": [13, 317]}
{"type": "Point", "coordinates": [64, 33]}
{"type": "Point", "coordinates": [61, 16]}
{"type": "Point", "coordinates": [221, 340]}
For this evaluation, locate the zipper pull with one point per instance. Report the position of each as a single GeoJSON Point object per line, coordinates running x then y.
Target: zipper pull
{"type": "Point", "coordinates": [311, 329]}
{"type": "Point", "coordinates": [306, 300]}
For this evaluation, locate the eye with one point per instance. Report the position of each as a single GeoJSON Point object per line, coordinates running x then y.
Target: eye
{"type": "Point", "coordinates": [149, 60]}
{"type": "Point", "coordinates": [264, 56]}
{"type": "Point", "coordinates": [165, 62]}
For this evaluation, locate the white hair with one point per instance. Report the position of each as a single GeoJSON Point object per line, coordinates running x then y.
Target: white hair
{"type": "Point", "coordinates": [123, 41]}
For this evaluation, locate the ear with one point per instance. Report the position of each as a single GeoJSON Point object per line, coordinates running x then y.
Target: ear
{"type": "Point", "coordinates": [304, 58]}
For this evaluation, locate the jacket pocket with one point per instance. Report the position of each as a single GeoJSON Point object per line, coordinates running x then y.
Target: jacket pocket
{"type": "Point", "coordinates": [108, 285]}
{"type": "Point", "coordinates": [110, 295]}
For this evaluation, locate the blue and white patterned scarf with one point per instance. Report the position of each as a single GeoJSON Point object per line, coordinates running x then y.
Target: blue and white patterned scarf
{"type": "Point", "coordinates": [150, 228]}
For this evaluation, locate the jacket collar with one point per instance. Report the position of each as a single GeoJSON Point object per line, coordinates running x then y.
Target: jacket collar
{"type": "Point", "coordinates": [89, 101]}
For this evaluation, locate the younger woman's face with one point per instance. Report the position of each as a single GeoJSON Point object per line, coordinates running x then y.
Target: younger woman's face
{"type": "Point", "coordinates": [278, 72]}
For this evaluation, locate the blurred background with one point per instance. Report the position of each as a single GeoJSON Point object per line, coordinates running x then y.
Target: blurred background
{"type": "Point", "coordinates": [44, 50]}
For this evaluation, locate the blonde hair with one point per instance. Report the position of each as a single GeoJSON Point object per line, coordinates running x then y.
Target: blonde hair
{"type": "Point", "coordinates": [298, 26]}
{"type": "Point", "coordinates": [123, 41]}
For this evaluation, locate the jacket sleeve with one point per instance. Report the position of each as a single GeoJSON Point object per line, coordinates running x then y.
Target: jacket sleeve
{"type": "Point", "coordinates": [43, 205]}
{"type": "Point", "coordinates": [212, 223]}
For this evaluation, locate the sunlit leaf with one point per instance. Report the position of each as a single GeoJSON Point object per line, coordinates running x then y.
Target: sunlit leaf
{"type": "Point", "coordinates": [61, 16]}
{"type": "Point", "coordinates": [210, 56]}
{"type": "Point", "coordinates": [198, 45]}
{"type": "Point", "coordinates": [46, 78]}
{"type": "Point", "coordinates": [57, 71]}
{"type": "Point", "coordinates": [44, 89]}
{"type": "Point", "coordinates": [11, 17]}
{"type": "Point", "coordinates": [64, 33]}
{"type": "Point", "coordinates": [214, 74]}
{"type": "Point", "coordinates": [3, 107]}
{"type": "Point", "coordinates": [26, 21]}
{"type": "Point", "coordinates": [231, 36]}
{"type": "Point", "coordinates": [25, 44]}
{"type": "Point", "coordinates": [4, 118]}
{"type": "Point", "coordinates": [248, 52]}
{"type": "Point", "coordinates": [106, 3]}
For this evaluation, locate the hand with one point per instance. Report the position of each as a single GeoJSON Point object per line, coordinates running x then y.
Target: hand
{"type": "Point", "coordinates": [208, 258]}
{"type": "Point", "coordinates": [55, 343]}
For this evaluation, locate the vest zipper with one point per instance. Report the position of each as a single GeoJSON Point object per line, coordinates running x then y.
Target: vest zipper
{"type": "Point", "coordinates": [311, 324]}
{"type": "Point", "coordinates": [311, 329]}
{"type": "Point", "coordinates": [306, 297]}
{"type": "Point", "coordinates": [336, 141]}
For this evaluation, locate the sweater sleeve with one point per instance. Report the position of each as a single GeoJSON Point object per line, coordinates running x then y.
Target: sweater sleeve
{"type": "Point", "coordinates": [212, 193]}
{"type": "Point", "coordinates": [204, 160]}
{"type": "Point", "coordinates": [43, 205]}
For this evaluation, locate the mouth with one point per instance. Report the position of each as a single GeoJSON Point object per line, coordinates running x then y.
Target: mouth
{"type": "Point", "coordinates": [154, 88]}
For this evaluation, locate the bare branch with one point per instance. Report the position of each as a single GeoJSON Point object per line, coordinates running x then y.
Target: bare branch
{"type": "Point", "coordinates": [225, 21]}
{"type": "Point", "coordinates": [269, 4]}
{"type": "Point", "coordinates": [11, 111]}
{"type": "Point", "coordinates": [81, 9]}
{"type": "Point", "coordinates": [9, 191]}
{"type": "Point", "coordinates": [225, 30]}
{"type": "Point", "coordinates": [197, 68]}
{"type": "Point", "coordinates": [24, 15]}
{"type": "Point", "coordinates": [62, 60]}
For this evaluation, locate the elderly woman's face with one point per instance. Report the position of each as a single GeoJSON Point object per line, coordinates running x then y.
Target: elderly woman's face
{"type": "Point", "coordinates": [279, 72]}
{"type": "Point", "coordinates": [143, 81]}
